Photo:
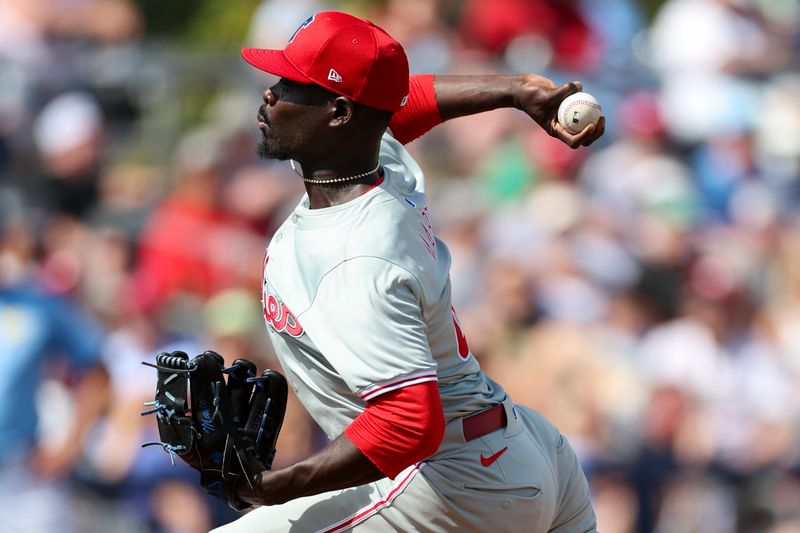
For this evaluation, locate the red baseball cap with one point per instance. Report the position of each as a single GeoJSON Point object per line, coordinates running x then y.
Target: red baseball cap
{"type": "Point", "coordinates": [342, 53]}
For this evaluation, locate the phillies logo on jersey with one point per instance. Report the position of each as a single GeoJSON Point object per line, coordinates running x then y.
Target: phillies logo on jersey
{"type": "Point", "coordinates": [276, 313]}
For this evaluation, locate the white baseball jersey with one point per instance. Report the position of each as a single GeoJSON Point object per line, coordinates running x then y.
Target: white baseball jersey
{"type": "Point", "coordinates": [357, 302]}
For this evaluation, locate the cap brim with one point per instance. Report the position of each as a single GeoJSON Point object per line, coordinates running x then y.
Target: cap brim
{"type": "Point", "coordinates": [274, 62]}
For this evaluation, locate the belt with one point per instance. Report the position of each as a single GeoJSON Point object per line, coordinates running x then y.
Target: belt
{"type": "Point", "coordinates": [484, 422]}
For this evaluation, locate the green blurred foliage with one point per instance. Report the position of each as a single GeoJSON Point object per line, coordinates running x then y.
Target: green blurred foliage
{"type": "Point", "coordinates": [207, 21]}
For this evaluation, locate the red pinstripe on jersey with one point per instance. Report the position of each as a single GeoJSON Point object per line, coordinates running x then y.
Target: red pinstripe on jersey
{"type": "Point", "coordinates": [365, 512]}
{"type": "Point", "coordinates": [409, 379]}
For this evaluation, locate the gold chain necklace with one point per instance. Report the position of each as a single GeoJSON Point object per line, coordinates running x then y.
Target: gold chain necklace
{"type": "Point", "coordinates": [334, 180]}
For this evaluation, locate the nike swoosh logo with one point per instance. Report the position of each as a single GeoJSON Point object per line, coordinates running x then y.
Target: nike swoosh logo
{"type": "Point", "coordinates": [486, 461]}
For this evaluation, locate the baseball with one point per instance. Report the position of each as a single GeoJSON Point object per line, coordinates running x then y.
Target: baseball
{"type": "Point", "coordinates": [578, 111]}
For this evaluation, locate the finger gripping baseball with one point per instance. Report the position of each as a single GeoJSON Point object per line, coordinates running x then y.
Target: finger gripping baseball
{"type": "Point", "coordinates": [212, 423]}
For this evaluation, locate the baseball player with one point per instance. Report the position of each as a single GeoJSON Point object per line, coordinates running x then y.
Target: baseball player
{"type": "Point", "coordinates": [356, 297]}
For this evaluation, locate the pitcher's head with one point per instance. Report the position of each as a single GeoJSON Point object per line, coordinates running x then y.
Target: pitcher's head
{"type": "Point", "coordinates": [341, 78]}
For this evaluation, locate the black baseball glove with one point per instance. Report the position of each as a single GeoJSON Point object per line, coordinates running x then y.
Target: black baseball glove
{"type": "Point", "coordinates": [225, 429]}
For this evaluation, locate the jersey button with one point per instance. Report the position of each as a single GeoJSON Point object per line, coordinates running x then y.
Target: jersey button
{"type": "Point", "coordinates": [295, 218]}
{"type": "Point", "coordinates": [278, 237]}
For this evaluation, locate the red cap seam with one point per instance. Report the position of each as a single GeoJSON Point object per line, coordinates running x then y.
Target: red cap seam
{"type": "Point", "coordinates": [371, 63]}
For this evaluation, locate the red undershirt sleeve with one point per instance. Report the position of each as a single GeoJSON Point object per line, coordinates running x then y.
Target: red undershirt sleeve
{"type": "Point", "coordinates": [400, 428]}
{"type": "Point", "coordinates": [421, 112]}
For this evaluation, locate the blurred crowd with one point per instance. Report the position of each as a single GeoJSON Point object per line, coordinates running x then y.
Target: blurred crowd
{"type": "Point", "coordinates": [643, 294]}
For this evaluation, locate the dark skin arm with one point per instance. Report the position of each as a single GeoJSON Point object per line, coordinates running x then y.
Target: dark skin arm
{"type": "Point", "coordinates": [341, 464]}
{"type": "Point", "coordinates": [337, 466]}
{"type": "Point", "coordinates": [539, 97]}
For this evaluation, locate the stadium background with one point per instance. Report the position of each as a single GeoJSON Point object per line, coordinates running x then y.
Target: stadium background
{"type": "Point", "coordinates": [643, 294]}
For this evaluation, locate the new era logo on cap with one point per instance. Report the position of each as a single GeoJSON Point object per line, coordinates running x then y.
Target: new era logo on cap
{"type": "Point", "coordinates": [334, 76]}
{"type": "Point", "coordinates": [371, 66]}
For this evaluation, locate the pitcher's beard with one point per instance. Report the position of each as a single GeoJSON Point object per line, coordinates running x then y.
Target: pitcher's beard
{"type": "Point", "coordinates": [269, 151]}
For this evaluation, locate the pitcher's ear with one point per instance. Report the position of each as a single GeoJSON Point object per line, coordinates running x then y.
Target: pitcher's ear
{"type": "Point", "coordinates": [342, 111]}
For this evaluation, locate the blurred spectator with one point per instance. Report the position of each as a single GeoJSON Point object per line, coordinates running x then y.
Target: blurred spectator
{"type": "Point", "coordinates": [35, 34]}
{"type": "Point", "coordinates": [697, 504]}
{"type": "Point", "coordinates": [555, 32]}
{"type": "Point", "coordinates": [191, 243]}
{"type": "Point", "coordinates": [777, 130]}
{"type": "Point", "coordinates": [617, 24]}
{"type": "Point", "coordinates": [614, 504]}
{"type": "Point", "coordinates": [45, 50]}
{"type": "Point", "coordinates": [419, 25]}
{"type": "Point", "coordinates": [709, 54]}
{"type": "Point", "coordinates": [47, 346]}
{"type": "Point", "coordinates": [69, 136]}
